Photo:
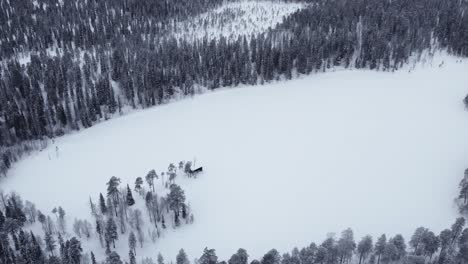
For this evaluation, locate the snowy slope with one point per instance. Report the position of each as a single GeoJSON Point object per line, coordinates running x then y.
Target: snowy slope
{"type": "Point", "coordinates": [285, 163]}
{"type": "Point", "coordinates": [234, 19]}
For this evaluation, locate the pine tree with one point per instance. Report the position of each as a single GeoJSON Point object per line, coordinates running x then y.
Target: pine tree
{"type": "Point", "coordinates": [182, 257]}
{"type": "Point", "coordinates": [131, 257]}
{"type": "Point", "coordinates": [50, 243]}
{"type": "Point", "coordinates": [93, 258]}
{"type": "Point", "coordinates": [241, 257]}
{"type": "Point", "coordinates": [130, 200]}
{"type": "Point", "coordinates": [61, 219]}
{"type": "Point", "coordinates": [208, 257]}
{"type": "Point", "coordinates": [380, 247]}
{"type": "Point", "coordinates": [132, 242]}
{"type": "Point", "coordinates": [111, 231]}
{"type": "Point", "coordinates": [271, 257]}
{"type": "Point", "coordinates": [138, 184]}
{"type": "Point", "coordinates": [113, 191]}
{"type": "Point", "coordinates": [102, 204]}
{"type": "Point", "coordinates": [150, 178]}
{"type": "Point", "coordinates": [457, 228]}
{"type": "Point", "coordinates": [346, 245]}
{"type": "Point", "coordinates": [364, 248]}
{"type": "Point", "coordinates": [113, 258]}
{"type": "Point", "coordinates": [176, 198]}
{"type": "Point", "coordinates": [74, 250]}
{"type": "Point", "coordinates": [160, 259]}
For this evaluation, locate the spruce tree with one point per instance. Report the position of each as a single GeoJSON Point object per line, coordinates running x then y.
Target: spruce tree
{"type": "Point", "coordinates": [113, 191]}
{"type": "Point", "coordinates": [111, 231]}
{"type": "Point", "coordinates": [160, 259]}
{"type": "Point", "coordinates": [130, 200]}
{"type": "Point", "coordinates": [181, 257]}
{"type": "Point", "coordinates": [132, 242]}
{"type": "Point", "coordinates": [50, 243]}
{"type": "Point", "coordinates": [102, 204]}
{"type": "Point", "coordinates": [131, 257]}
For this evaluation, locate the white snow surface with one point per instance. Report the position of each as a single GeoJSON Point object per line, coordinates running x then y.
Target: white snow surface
{"type": "Point", "coordinates": [234, 19]}
{"type": "Point", "coordinates": [285, 163]}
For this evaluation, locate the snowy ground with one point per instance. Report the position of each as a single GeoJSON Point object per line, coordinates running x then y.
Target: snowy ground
{"type": "Point", "coordinates": [285, 163]}
{"type": "Point", "coordinates": [231, 20]}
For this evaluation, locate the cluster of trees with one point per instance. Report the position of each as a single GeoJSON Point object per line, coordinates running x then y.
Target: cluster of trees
{"type": "Point", "coordinates": [17, 245]}
{"type": "Point", "coordinates": [117, 215]}
{"type": "Point", "coordinates": [126, 58]}
{"type": "Point", "coordinates": [120, 214]}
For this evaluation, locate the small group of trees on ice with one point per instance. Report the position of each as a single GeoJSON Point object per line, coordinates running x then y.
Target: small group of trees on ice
{"type": "Point", "coordinates": [136, 214]}
{"type": "Point", "coordinates": [139, 213]}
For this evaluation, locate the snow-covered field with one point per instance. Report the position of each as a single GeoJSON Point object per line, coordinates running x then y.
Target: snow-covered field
{"type": "Point", "coordinates": [234, 19]}
{"type": "Point", "coordinates": [285, 163]}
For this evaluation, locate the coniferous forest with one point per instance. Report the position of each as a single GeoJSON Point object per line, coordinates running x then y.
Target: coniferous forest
{"type": "Point", "coordinates": [68, 65]}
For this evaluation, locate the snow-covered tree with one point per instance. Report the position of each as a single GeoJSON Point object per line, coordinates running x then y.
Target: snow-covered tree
{"type": "Point", "coordinates": [132, 242]}
{"type": "Point", "coordinates": [111, 231]}
{"type": "Point", "coordinates": [131, 257]}
{"type": "Point", "coordinates": [175, 199]}
{"type": "Point", "coordinates": [113, 192]}
{"type": "Point", "coordinates": [209, 257]}
{"type": "Point", "coordinates": [240, 257]}
{"type": "Point", "coordinates": [113, 258]}
{"type": "Point", "coordinates": [346, 245]}
{"type": "Point", "coordinates": [271, 257]}
{"type": "Point", "coordinates": [129, 199]}
{"type": "Point", "coordinates": [364, 248]}
{"type": "Point", "coordinates": [138, 184]}
{"type": "Point", "coordinates": [182, 258]}
{"type": "Point", "coordinates": [102, 204]}
{"type": "Point", "coordinates": [150, 178]}
{"type": "Point", "coordinates": [380, 247]}
{"type": "Point", "coordinates": [50, 243]}
{"type": "Point", "coordinates": [160, 259]}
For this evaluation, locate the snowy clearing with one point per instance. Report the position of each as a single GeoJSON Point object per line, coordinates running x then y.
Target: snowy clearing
{"type": "Point", "coordinates": [235, 19]}
{"type": "Point", "coordinates": [284, 163]}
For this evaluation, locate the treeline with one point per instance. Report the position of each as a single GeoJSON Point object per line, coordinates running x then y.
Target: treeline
{"type": "Point", "coordinates": [84, 84]}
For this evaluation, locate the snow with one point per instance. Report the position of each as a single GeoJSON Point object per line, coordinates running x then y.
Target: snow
{"type": "Point", "coordinates": [234, 19]}
{"type": "Point", "coordinates": [285, 163]}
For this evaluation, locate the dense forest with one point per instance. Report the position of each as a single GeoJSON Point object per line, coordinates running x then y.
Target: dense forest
{"type": "Point", "coordinates": [68, 65]}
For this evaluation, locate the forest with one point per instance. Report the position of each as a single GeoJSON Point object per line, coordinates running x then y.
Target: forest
{"type": "Point", "coordinates": [66, 66]}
